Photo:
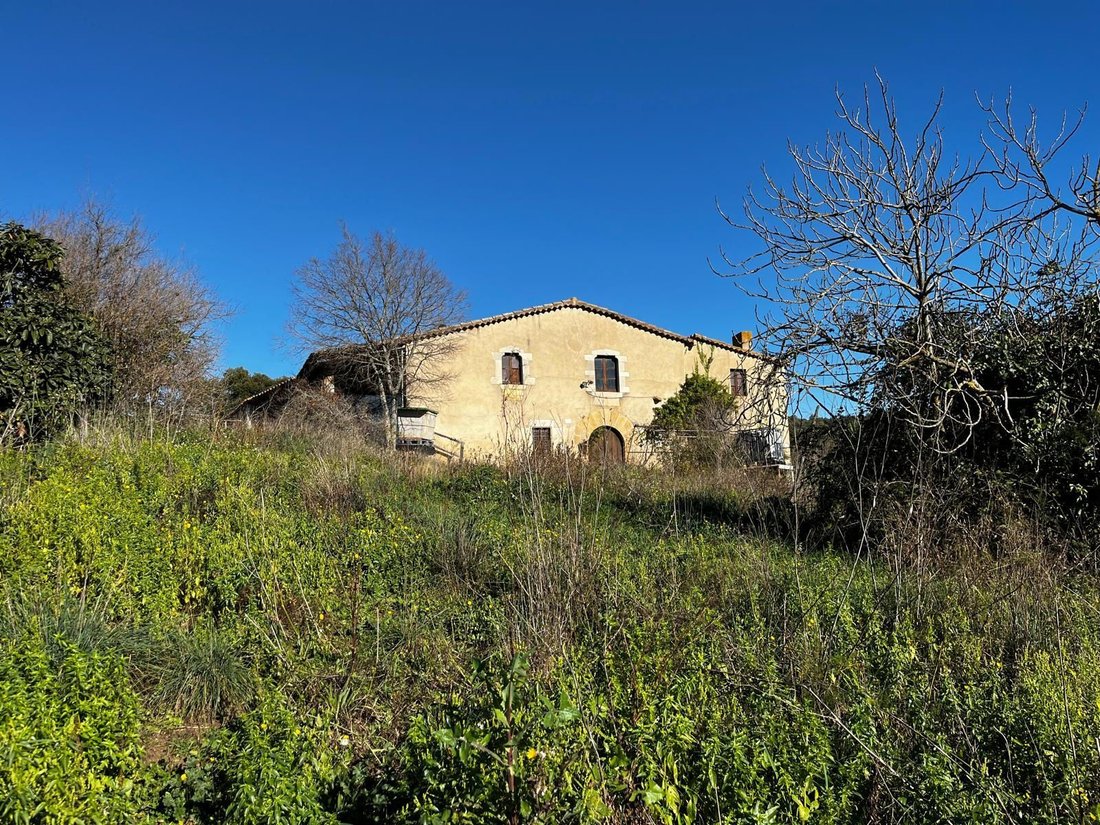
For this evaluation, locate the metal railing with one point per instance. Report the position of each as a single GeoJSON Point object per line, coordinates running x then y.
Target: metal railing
{"type": "Point", "coordinates": [759, 446]}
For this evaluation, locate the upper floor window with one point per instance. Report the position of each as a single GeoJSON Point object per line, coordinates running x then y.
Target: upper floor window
{"type": "Point", "coordinates": [738, 383]}
{"type": "Point", "coordinates": [511, 368]}
{"type": "Point", "coordinates": [607, 373]}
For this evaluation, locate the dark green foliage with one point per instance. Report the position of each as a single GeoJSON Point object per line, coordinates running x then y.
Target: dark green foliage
{"type": "Point", "coordinates": [701, 403]}
{"type": "Point", "coordinates": [237, 384]}
{"type": "Point", "coordinates": [53, 362]}
{"type": "Point", "coordinates": [1049, 373]}
{"type": "Point", "coordinates": [693, 427]}
{"type": "Point", "coordinates": [483, 755]}
{"type": "Point", "coordinates": [1021, 439]}
{"type": "Point", "coordinates": [268, 766]}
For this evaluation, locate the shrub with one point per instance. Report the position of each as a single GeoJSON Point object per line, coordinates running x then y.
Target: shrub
{"type": "Point", "coordinates": [486, 754]}
{"type": "Point", "coordinates": [70, 746]}
{"type": "Point", "coordinates": [271, 765]}
{"type": "Point", "coordinates": [693, 427]}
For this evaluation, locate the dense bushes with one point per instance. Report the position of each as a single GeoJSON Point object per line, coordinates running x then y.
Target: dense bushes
{"type": "Point", "coordinates": [1014, 449]}
{"type": "Point", "coordinates": [189, 633]}
{"type": "Point", "coordinates": [701, 426]}
{"type": "Point", "coordinates": [69, 736]}
{"type": "Point", "coordinates": [270, 765]}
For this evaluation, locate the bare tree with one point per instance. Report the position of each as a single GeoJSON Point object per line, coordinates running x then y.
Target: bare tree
{"type": "Point", "coordinates": [884, 255]}
{"type": "Point", "coordinates": [1023, 160]}
{"type": "Point", "coordinates": [370, 308]}
{"type": "Point", "coordinates": [156, 314]}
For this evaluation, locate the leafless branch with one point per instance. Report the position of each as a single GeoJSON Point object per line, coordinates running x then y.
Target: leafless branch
{"type": "Point", "coordinates": [883, 254]}
{"type": "Point", "coordinates": [155, 312]}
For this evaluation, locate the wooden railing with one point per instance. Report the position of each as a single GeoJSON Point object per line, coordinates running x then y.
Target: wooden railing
{"type": "Point", "coordinates": [456, 447]}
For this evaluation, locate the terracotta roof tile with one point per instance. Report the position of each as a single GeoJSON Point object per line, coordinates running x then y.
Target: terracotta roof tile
{"type": "Point", "coordinates": [568, 303]}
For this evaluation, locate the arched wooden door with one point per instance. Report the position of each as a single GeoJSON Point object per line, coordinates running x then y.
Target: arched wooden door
{"type": "Point", "coordinates": [606, 447]}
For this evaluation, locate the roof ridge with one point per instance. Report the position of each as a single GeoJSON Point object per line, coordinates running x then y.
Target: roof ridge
{"type": "Point", "coordinates": [539, 309]}
{"type": "Point", "coordinates": [577, 303]}
{"type": "Point", "coordinates": [264, 391]}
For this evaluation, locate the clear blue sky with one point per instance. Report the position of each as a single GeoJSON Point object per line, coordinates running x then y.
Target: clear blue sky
{"type": "Point", "coordinates": [536, 151]}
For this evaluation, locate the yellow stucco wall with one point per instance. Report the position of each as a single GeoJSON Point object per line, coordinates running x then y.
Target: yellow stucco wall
{"type": "Point", "coordinates": [558, 350]}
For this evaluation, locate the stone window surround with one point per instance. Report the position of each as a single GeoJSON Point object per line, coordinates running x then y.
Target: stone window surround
{"type": "Point", "coordinates": [590, 374]}
{"type": "Point", "coordinates": [525, 357]}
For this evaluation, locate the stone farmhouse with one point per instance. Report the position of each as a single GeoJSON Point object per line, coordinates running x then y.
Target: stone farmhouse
{"type": "Point", "coordinates": [566, 375]}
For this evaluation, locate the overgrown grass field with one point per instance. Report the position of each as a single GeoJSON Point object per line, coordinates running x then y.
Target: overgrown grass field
{"type": "Point", "coordinates": [268, 631]}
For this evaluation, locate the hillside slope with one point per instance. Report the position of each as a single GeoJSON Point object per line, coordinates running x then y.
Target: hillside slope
{"type": "Point", "coordinates": [257, 632]}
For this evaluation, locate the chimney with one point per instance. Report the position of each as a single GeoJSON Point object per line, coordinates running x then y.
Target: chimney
{"type": "Point", "coordinates": [743, 340]}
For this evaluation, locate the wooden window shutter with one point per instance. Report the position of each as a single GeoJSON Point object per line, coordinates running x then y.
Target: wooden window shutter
{"type": "Point", "coordinates": [607, 373]}
{"type": "Point", "coordinates": [511, 368]}
{"type": "Point", "coordinates": [540, 439]}
{"type": "Point", "coordinates": [738, 383]}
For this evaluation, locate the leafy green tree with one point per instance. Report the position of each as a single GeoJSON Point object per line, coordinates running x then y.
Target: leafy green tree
{"type": "Point", "coordinates": [1045, 432]}
{"type": "Point", "coordinates": [694, 425]}
{"type": "Point", "coordinates": [237, 384]}
{"type": "Point", "coordinates": [53, 361]}
{"type": "Point", "coordinates": [702, 403]}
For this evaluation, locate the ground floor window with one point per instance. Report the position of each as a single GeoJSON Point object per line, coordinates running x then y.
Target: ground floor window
{"type": "Point", "coordinates": [540, 439]}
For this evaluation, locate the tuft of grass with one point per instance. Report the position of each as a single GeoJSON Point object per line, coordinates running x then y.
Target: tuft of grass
{"type": "Point", "coordinates": [202, 677]}
{"type": "Point", "coordinates": [62, 624]}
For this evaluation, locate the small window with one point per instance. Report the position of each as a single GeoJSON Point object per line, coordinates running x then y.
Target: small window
{"type": "Point", "coordinates": [738, 383]}
{"type": "Point", "coordinates": [540, 440]}
{"type": "Point", "coordinates": [607, 373]}
{"type": "Point", "coordinates": [511, 368]}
